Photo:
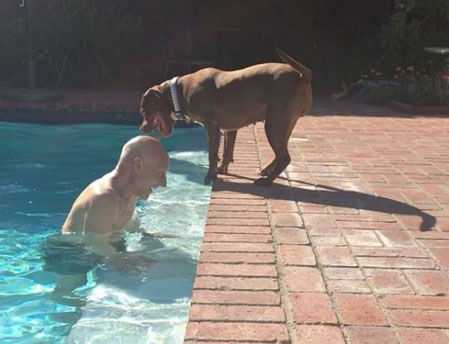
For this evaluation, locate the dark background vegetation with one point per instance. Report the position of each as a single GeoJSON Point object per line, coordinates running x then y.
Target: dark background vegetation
{"type": "Point", "coordinates": [119, 43]}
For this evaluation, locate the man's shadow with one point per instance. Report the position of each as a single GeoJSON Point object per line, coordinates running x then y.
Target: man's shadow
{"type": "Point", "coordinates": [329, 196]}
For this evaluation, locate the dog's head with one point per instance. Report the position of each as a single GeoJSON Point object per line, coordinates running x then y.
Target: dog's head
{"type": "Point", "coordinates": [156, 112]}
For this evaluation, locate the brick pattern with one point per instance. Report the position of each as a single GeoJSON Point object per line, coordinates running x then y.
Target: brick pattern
{"type": "Point", "coordinates": [351, 244]}
{"type": "Point", "coordinates": [236, 293]}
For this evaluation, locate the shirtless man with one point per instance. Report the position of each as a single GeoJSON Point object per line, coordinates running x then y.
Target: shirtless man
{"type": "Point", "coordinates": [103, 211]}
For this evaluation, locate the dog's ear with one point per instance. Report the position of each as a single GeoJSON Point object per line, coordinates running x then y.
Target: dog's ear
{"type": "Point", "coordinates": [153, 93]}
{"type": "Point", "coordinates": [152, 96]}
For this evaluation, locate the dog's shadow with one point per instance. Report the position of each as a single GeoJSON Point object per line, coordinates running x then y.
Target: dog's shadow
{"type": "Point", "coordinates": [328, 196]}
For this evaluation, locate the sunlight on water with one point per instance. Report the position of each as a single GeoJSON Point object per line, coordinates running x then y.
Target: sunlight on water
{"type": "Point", "coordinates": [43, 169]}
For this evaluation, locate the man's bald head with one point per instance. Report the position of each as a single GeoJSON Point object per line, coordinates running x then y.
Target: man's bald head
{"type": "Point", "coordinates": [142, 166]}
{"type": "Point", "coordinates": [145, 147]}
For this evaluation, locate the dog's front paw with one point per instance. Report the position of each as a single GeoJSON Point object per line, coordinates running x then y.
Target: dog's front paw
{"type": "Point", "coordinates": [263, 182]}
{"type": "Point", "coordinates": [210, 177]}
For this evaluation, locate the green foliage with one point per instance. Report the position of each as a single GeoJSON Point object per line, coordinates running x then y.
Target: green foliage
{"type": "Point", "coordinates": [12, 44]}
{"type": "Point", "coordinates": [415, 24]}
{"type": "Point", "coordinates": [93, 42]}
{"type": "Point", "coordinates": [382, 93]}
{"type": "Point", "coordinates": [410, 86]}
{"type": "Point", "coordinates": [423, 93]}
{"type": "Point", "coordinates": [86, 42]}
{"type": "Point", "coordinates": [77, 43]}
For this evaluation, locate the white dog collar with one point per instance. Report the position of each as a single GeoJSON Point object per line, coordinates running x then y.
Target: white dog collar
{"type": "Point", "coordinates": [175, 99]}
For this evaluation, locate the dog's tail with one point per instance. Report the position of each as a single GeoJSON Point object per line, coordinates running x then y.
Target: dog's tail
{"type": "Point", "coordinates": [305, 72]}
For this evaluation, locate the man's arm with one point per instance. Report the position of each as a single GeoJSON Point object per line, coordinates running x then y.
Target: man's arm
{"type": "Point", "coordinates": [98, 226]}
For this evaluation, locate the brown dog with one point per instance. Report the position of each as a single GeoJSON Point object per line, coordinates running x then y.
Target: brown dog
{"type": "Point", "coordinates": [276, 93]}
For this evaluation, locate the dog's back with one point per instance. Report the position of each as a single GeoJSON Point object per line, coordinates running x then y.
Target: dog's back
{"type": "Point", "coordinates": [243, 96]}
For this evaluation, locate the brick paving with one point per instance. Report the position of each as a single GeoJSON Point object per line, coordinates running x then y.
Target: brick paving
{"type": "Point", "coordinates": [351, 245]}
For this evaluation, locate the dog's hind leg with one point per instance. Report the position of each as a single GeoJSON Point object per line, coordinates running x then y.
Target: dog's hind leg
{"type": "Point", "coordinates": [228, 151]}
{"type": "Point", "coordinates": [278, 134]}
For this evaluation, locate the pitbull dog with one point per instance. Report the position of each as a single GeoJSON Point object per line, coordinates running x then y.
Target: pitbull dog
{"type": "Point", "coordinates": [277, 93]}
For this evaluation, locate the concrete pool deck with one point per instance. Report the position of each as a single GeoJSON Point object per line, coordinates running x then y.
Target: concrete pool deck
{"type": "Point", "coordinates": [350, 245]}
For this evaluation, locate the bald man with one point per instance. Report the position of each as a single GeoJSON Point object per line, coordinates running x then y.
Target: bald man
{"type": "Point", "coordinates": [105, 209]}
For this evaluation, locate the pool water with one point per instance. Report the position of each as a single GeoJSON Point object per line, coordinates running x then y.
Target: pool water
{"type": "Point", "coordinates": [42, 171]}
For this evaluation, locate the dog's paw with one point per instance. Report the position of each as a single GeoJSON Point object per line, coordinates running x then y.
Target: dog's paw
{"type": "Point", "coordinates": [210, 178]}
{"type": "Point", "coordinates": [263, 182]}
{"type": "Point", "coordinates": [223, 169]}
{"type": "Point", "coordinates": [262, 172]}
{"type": "Point", "coordinates": [266, 170]}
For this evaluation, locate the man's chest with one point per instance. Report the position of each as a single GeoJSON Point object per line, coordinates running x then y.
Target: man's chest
{"type": "Point", "coordinates": [122, 216]}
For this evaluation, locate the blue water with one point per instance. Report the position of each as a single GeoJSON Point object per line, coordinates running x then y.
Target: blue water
{"type": "Point", "coordinates": [42, 170]}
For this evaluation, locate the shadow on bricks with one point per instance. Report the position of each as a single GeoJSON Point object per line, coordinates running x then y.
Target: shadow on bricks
{"type": "Point", "coordinates": [329, 196]}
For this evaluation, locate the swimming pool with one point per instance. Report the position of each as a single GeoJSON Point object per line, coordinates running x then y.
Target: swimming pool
{"type": "Point", "coordinates": [43, 168]}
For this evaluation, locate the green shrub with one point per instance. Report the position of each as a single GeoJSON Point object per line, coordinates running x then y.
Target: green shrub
{"type": "Point", "coordinates": [76, 43]}
{"type": "Point", "coordinates": [415, 24]}
{"type": "Point", "coordinates": [382, 93]}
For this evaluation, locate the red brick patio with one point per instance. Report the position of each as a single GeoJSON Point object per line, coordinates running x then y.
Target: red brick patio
{"type": "Point", "coordinates": [350, 246]}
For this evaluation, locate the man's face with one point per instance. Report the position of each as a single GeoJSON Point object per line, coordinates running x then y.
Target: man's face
{"type": "Point", "coordinates": [153, 175]}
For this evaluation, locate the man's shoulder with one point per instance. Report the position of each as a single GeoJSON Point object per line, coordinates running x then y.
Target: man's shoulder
{"type": "Point", "coordinates": [96, 195]}
{"type": "Point", "coordinates": [106, 199]}
{"type": "Point", "coordinates": [99, 210]}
